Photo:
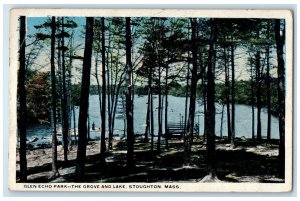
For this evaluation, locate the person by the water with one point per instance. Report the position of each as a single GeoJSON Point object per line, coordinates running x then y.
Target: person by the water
{"type": "Point", "coordinates": [93, 126]}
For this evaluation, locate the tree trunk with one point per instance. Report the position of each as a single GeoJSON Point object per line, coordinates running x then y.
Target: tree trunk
{"type": "Point", "coordinates": [166, 107]}
{"type": "Point", "coordinates": [227, 93]}
{"type": "Point", "coordinates": [258, 92]}
{"type": "Point", "coordinates": [22, 101]}
{"type": "Point", "coordinates": [258, 96]}
{"type": "Point", "coordinates": [268, 86]}
{"type": "Point", "coordinates": [147, 129]}
{"type": "Point", "coordinates": [116, 93]}
{"type": "Point", "coordinates": [71, 105]}
{"type": "Point", "coordinates": [159, 111]}
{"type": "Point", "coordinates": [109, 97]}
{"type": "Point", "coordinates": [222, 117]}
{"type": "Point", "coordinates": [59, 72]}
{"type": "Point", "coordinates": [232, 96]}
{"type": "Point", "coordinates": [84, 100]}
{"type": "Point", "coordinates": [98, 83]}
{"type": "Point", "coordinates": [115, 89]}
{"type": "Point", "coordinates": [124, 114]}
{"type": "Point", "coordinates": [129, 108]}
{"type": "Point", "coordinates": [210, 113]}
{"type": "Point", "coordinates": [151, 120]}
{"type": "Point", "coordinates": [53, 100]}
{"type": "Point", "coordinates": [252, 102]}
{"type": "Point", "coordinates": [203, 84]}
{"type": "Point", "coordinates": [88, 126]}
{"type": "Point", "coordinates": [190, 127]}
{"type": "Point", "coordinates": [65, 125]}
{"type": "Point", "coordinates": [69, 97]}
{"type": "Point", "coordinates": [187, 93]}
{"type": "Point", "coordinates": [103, 110]}
{"type": "Point", "coordinates": [74, 123]}
{"type": "Point", "coordinates": [281, 96]}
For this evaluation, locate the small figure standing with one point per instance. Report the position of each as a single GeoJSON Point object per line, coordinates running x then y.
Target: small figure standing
{"type": "Point", "coordinates": [93, 126]}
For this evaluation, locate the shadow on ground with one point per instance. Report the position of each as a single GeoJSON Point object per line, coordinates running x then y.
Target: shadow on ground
{"type": "Point", "coordinates": [236, 165]}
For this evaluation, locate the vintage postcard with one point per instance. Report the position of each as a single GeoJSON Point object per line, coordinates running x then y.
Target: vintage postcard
{"type": "Point", "coordinates": [151, 100]}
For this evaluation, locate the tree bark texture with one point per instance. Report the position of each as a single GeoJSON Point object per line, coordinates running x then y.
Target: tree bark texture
{"type": "Point", "coordinates": [281, 96]}
{"type": "Point", "coordinates": [190, 127]}
{"type": "Point", "coordinates": [129, 104]}
{"type": "Point", "coordinates": [84, 100]}
{"type": "Point", "coordinates": [232, 95]}
{"type": "Point", "coordinates": [53, 99]}
{"type": "Point", "coordinates": [65, 122]}
{"type": "Point", "coordinates": [103, 110]}
{"type": "Point", "coordinates": [22, 100]}
{"type": "Point", "coordinates": [210, 113]}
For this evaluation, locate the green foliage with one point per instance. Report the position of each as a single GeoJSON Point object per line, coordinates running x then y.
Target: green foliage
{"type": "Point", "coordinates": [41, 36]}
{"type": "Point", "coordinates": [243, 94]}
{"type": "Point", "coordinates": [75, 91]}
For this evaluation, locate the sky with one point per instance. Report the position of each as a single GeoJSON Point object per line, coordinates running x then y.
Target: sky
{"type": "Point", "coordinates": [43, 60]}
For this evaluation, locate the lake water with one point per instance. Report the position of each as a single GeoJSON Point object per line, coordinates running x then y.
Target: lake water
{"type": "Point", "coordinates": [175, 114]}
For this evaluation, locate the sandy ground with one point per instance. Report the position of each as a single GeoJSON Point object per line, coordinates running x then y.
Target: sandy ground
{"type": "Point", "coordinates": [42, 157]}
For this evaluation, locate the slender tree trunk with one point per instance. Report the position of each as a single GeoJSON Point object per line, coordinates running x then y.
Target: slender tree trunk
{"type": "Point", "coordinates": [281, 96]}
{"type": "Point", "coordinates": [115, 105]}
{"type": "Point", "coordinates": [268, 86]}
{"type": "Point", "coordinates": [53, 101]}
{"type": "Point", "coordinates": [88, 126]}
{"type": "Point", "coordinates": [187, 93]}
{"type": "Point", "coordinates": [258, 92]}
{"type": "Point", "coordinates": [69, 97]}
{"type": "Point", "coordinates": [185, 123]}
{"type": "Point", "coordinates": [227, 93]}
{"type": "Point", "coordinates": [84, 100]}
{"type": "Point", "coordinates": [103, 110]}
{"type": "Point", "coordinates": [203, 87]}
{"type": "Point", "coordinates": [222, 117]}
{"type": "Point", "coordinates": [59, 72]}
{"type": "Point", "coordinates": [115, 102]}
{"type": "Point", "coordinates": [258, 96]}
{"type": "Point", "coordinates": [252, 102]}
{"type": "Point", "coordinates": [98, 83]}
{"type": "Point", "coordinates": [192, 108]}
{"type": "Point", "coordinates": [74, 123]}
{"type": "Point", "coordinates": [166, 107]}
{"type": "Point", "coordinates": [232, 95]}
{"type": "Point", "coordinates": [22, 100]}
{"type": "Point", "coordinates": [159, 111]}
{"type": "Point", "coordinates": [147, 129]}
{"type": "Point", "coordinates": [151, 120]}
{"type": "Point", "coordinates": [203, 83]}
{"type": "Point", "coordinates": [132, 93]}
{"type": "Point", "coordinates": [129, 104]}
{"type": "Point", "coordinates": [210, 113]}
{"type": "Point", "coordinates": [65, 126]}
{"type": "Point", "coordinates": [124, 114]}
{"type": "Point", "coordinates": [71, 105]}
{"type": "Point", "coordinates": [109, 97]}
{"type": "Point", "coordinates": [110, 132]}
{"type": "Point", "coordinates": [115, 90]}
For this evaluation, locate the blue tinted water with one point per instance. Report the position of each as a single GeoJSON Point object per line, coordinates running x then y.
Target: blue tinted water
{"type": "Point", "coordinates": [175, 114]}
